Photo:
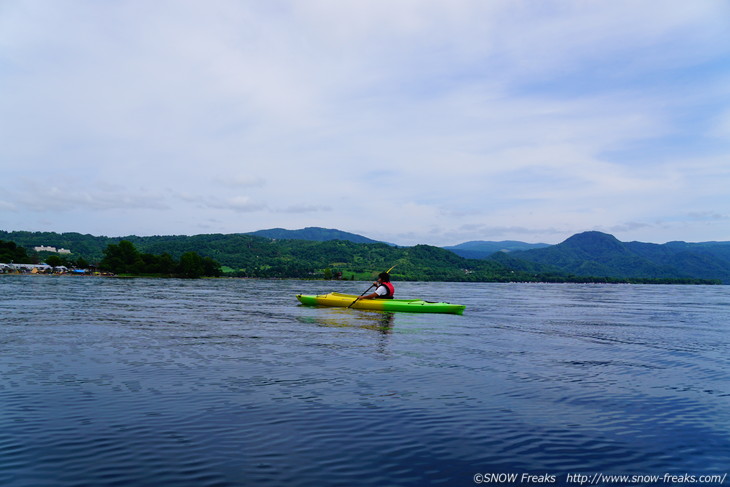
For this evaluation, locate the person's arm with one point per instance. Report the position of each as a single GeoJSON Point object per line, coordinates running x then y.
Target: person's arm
{"type": "Point", "coordinates": [372, 295]}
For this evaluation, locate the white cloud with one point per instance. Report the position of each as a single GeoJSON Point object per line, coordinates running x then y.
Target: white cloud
{"type": "Point", "coordinates": [434, 116]}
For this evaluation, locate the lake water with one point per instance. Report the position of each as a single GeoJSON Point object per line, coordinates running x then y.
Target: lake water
{"type": "Point", "coordinates": [150, 382]}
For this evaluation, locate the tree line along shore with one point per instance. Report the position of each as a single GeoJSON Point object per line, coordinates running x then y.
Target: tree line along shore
{"type": "Point", "coordinates": [119, 259]}
{"type": "Point", "coordinates": [256, 257]}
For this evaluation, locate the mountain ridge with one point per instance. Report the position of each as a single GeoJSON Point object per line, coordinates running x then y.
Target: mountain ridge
{"type": "Point", "coordinates": [315, 234]}
{"type": "Point", "coordinates": [479, 249]}
{"type": "Point", "coordinates": [588, 254]}
{"type": "Point", "coordinates": [600, 254]}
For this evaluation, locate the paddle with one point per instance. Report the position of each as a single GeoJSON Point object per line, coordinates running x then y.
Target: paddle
{"type": "Point", "coordinates": [368, 289]}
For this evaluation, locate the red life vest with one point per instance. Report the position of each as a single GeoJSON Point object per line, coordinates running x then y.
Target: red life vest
{"type": "Point", "coordinates": [390, 290]}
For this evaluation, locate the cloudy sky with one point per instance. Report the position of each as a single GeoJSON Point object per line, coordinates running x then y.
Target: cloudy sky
{"type": "Point", "coordinates": [410, 121]}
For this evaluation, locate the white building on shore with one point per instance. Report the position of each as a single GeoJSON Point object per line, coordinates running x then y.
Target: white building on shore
{"type": "Point", "coordinates": [44, 248]}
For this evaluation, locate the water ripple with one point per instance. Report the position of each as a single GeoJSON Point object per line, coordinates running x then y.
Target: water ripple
{"type": "Point", "coordinates": [231, 382]}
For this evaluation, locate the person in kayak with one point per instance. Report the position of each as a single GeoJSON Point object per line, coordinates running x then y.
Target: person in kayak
{"type": "Point", "coordinates": [383, 288]}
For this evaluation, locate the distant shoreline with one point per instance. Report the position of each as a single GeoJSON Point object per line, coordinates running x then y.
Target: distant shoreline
{"type": "Point", "coordinates": [609, 281]}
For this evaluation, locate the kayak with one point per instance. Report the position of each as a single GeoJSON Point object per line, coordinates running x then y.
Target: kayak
{"type": "Point", "coordinates": [412, 305]}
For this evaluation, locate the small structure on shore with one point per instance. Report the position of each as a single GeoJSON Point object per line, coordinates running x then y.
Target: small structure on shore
{"type": "Point", "coordinates": [26, 268]}
{"type": "Point", "coordinates": [39, 269]}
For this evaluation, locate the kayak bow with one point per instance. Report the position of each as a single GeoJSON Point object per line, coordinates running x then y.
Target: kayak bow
{"type": "Point", "coordinates": [411, 305]}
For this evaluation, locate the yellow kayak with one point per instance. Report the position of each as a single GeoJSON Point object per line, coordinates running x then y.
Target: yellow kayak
{"type": "Point", "coordinates": [411, 305]}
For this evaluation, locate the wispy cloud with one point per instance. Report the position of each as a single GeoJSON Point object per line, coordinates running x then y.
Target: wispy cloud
{"type": "Point", "coordinates": [305, 209]}
{"type": "Point", "coordinates": [241, 181]}
{"type": "Point", "coordinates": [7, 206]}
{"type": "Point", "coordinates": [49, 197]}
{"type": "Point", "coordinates": [708, 216]}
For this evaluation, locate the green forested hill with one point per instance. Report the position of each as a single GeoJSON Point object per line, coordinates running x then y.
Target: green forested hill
{"type": "Point", "coordinates": [316, 234]}
{"type": "Point", "coordinates": [587, 257]}
{"type": "Point", "coordinates": [601, 254]}
{"type": "Point", "coordinates": [10, 252]}
{"type": "Point", "coordinates": [87, 246]}
{"type": "Point", "coordinates": [252, 256]}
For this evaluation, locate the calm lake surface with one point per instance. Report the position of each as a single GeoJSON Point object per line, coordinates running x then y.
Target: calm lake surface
{"type": "Point", "coordinates": [150, 382]}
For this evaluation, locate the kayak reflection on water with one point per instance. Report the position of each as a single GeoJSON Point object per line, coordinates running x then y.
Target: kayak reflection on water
{"type": "Point", "coordinates": [381, 321]}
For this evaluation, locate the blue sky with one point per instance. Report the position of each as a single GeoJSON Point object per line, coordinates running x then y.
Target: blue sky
{"type": "Point", "coordinates": [409, 121]}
